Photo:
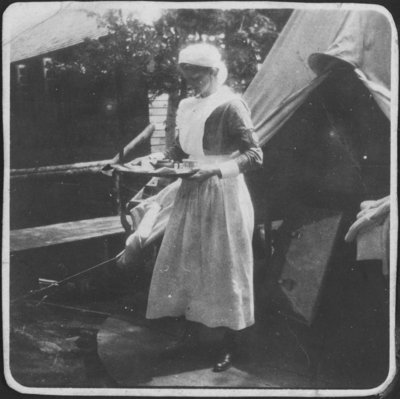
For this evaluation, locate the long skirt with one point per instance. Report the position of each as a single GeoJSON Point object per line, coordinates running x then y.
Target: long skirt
{"type": "Point", "coordinates": [204, 269]}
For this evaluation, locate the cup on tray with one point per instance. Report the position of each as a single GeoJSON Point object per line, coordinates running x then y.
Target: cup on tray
{"type": "Point", "coordinates": [190, 164]}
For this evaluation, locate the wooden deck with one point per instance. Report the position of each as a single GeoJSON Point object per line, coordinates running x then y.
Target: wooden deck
{"type": "Point", "coordinates": [62, 233]}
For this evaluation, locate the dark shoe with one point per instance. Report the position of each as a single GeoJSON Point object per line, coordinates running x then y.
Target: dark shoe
{"type": "Point", "coordinates": [224, 362]}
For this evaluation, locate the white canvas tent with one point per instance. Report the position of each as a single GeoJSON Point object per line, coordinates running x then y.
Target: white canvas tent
{"type": "Point", "coordinates": [312, 43]}
{"type": "Point", "coordinates": [321, 54]}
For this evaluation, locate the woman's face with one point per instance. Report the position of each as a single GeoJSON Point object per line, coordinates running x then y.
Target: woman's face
{"type": "Point", "coordinates": [200, 79]}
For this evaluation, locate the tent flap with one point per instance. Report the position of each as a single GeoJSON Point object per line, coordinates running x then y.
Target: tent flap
{"type": "Point", "coordinates": [364, 42]}
{"type": "Point", "coordinates": [312, 42]}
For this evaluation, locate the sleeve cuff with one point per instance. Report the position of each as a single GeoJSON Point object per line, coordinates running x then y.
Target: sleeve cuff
{"type": "Point", "coordinates": [229, 169]}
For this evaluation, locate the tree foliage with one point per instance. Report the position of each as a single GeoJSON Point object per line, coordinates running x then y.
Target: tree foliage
{"type": "Point", "coordinates": [150, 51]}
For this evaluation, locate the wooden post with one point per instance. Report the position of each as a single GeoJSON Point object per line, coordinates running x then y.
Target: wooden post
{"type": "Point", "coordinates": [173, 101]}
{"type": "Point", "coordinates": [121, 157]}
{"type": "Point", "coordinates": [121, 203]}
{"type": "Point", "coordinates": [139, 139]}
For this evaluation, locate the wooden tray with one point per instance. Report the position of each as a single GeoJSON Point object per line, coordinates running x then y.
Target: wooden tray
{"type": "Point", "coordinates": [160, 172]}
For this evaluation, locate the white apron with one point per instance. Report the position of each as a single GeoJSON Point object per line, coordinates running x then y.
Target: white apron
{"type": "Point", "coordinates": [204, 269]}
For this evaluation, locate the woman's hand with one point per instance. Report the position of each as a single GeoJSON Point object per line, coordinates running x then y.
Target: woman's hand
{"type": "Point", "coordinates": [203, 173]}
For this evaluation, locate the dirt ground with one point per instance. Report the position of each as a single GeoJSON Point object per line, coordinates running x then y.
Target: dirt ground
{"type": "Point", "coordinates": [113, 346]}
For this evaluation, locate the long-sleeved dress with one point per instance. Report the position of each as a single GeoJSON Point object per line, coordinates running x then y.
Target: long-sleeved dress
{"type": "Point", "coordinates": [204, 269]}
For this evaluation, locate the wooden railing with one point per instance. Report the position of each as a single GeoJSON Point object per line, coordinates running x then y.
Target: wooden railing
{"type": "Point", "coordinates": [84, 167]}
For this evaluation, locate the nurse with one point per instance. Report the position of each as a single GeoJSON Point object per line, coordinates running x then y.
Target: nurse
{"type": "Point", "coordinates": [204, 269]}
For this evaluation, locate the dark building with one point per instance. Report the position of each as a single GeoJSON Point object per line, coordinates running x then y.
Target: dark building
{"type": "Point", "coordinates": [67, 118]}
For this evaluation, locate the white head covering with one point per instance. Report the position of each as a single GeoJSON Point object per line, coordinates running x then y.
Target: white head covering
{"type": "Point", "coordinates": [205, 55]}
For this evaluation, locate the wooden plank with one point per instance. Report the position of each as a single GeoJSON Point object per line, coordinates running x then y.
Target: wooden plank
{"type": "Point", "coordinates": [69, 168]}
{"type": "Point", "coordinates": [157, 140]}
{"type": "Point", "coordinates": [62, 233]}
{"type": "Point", "coordinates": [82, 167]}
{"type": "Point", "coordinates": [159, 126]}
{"type": "Point", "coordinates": [158, 118]}
{"type": "Point", "coordinates": [159, 133]}
{"type": "Point", "coordinates": [157, 112]}
{"type": "Point", "coordinates": [157, 148]}
{"type": "Point", "coordinates": [58, 173]}
{"type": "Point", "coordinates": [159, 104]}
{"type": "Point", "coordinates": [162, 97]}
